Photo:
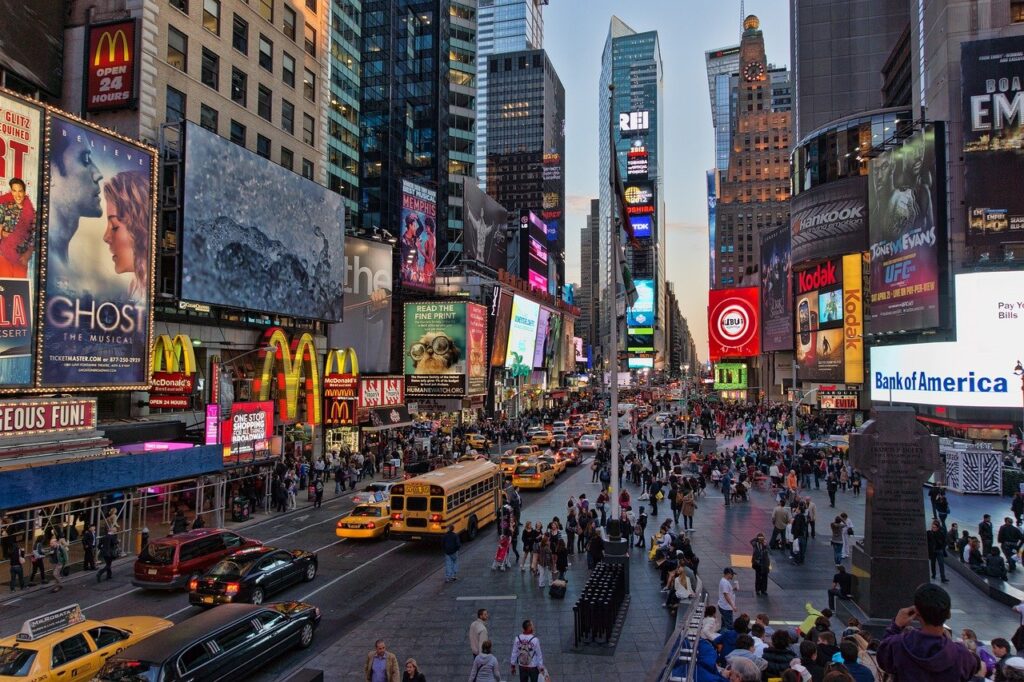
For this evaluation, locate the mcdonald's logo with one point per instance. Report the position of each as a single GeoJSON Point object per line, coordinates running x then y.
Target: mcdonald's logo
{"type": "Point", "coordinates": [338, 358]}
{"type": "Point", "coordinates": [174, 355]}
{"type": "Point", "coordinates": [295, 367]}
{"type": "Point", "coordinates": [337, 382]}
{"type": "Point", "coordinates": [340, 412]}
{"type": "Point", "coordinates": [111, 38]}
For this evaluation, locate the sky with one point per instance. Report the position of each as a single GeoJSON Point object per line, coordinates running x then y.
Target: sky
{"type": "Point", "coordinates": [574, 39]}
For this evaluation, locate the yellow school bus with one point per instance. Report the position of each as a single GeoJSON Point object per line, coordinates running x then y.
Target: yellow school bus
{"type": "Point", "coordinates": [466, 494]}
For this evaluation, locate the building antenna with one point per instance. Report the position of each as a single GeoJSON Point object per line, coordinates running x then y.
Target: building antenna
{"type": "Point", "coordinates": [743, 14]}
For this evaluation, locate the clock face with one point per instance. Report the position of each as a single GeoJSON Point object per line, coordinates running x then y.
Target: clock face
{"type": "Point", "coordinates": [753, 71]}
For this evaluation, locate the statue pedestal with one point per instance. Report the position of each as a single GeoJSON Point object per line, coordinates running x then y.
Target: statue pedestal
{"type": "Point", "coordinates": [615, 553]}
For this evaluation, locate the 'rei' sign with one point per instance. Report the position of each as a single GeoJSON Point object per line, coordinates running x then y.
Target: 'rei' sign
{"type": "Point", "coordinates": [44, 416]}
{"type": "Point", "coordinates": [110, 66]}
{"type": "Point", "coordinates": [381, 392]}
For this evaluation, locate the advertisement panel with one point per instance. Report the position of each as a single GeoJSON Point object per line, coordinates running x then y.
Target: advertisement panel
{"type": "Point", "coordinates": [733, 328]}
{"type": "Point", "coordinates": [853, 318]}
{"type": "Point", "coordinates": [730, 376]}
{"type": "Point", "coordinates": [551, 345]}
{"type": "Point", "coordinates": [637, 163]}
{"type": "Point", "coordinates": [386, 391]}
{"type": "Point", "coordinates": [577, 343]}
{"type": "Point", "coordinates": [484, 227]}
{"type": "Point", "coordinates": [993, 106]}
{"type": "Point", "coordinates": [419, 236]}
{"type": "Point", "coordinates": [501, 307]}
{"type": "Point", "coordinates": [46, 416]}
{"type": "Point", "coordinates": [542, 337]}
{"type": "Point", "coordinates": [99, 259]}
{"type": "Point", "coordinates": [476, 341]}
{"type": "Point", "coordinates": [110, 66]}
{"type": "Point", "coordinates": [711, 177]}
{"type": "Point", "coordinates": [640, 340]}
{"type": "Point", "coordinates": [368, 299]}
{"type": "Point", "coordinates": [830, 220]}
{"type": "Point", "coordinates": [906, 234]}
{"type": "Point", "coordinates": [838, 400]}
{"type": "Point", "coordinates": [534, 252]}
{"type": "Point", "coordinates": [640, 363]}
{"type": "Point", "coordinates": [641, 314]}
{"type": "Point", "coordinates": [642, 225]}
{"type": "Point", "coordinates": [32, 42]}
{"type": "Point", "coordinates": [639, 198]}
{"type": "Point", "coordinates": [435, 349]}
{"type": "Point", "coordinates": [174, 372]}
{"type": "Point", "coordinates": [819, 321]}
{"type": "Point", "coordinates": [249, 428]}
{"type": "Point", "coordinates": [21, 146]}
{"type": "Point", "coordinates": [522, 335]}
{"type": "Point", "coordinates": [976, 370]}
{"type": "Point", "coordinates": [776, 290]}
{"type": "Point", "coordinates": [258, 236]}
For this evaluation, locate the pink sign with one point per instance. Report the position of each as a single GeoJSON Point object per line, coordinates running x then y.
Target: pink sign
{"type": "Point", "coordinates": [212, 423]}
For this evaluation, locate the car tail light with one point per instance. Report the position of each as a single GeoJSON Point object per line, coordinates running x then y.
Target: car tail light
{"type": "Point", "coordinates": [231, 588]}
{"type": "Point", "coordinates": [397, 516]}
{"type": "Point", "coordinates": [341, 524]}
{"type": "Point", "coordinates": [371, 525]}
{"type": "Point", "coordinates": [435, 518]}
{"type": "Point", "coordinates": [193, 584]}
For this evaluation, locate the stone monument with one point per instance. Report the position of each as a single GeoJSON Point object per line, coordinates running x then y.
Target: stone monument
{"type": "Point", "coordinates": [896, 455]}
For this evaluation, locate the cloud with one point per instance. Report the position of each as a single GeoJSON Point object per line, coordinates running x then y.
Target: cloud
{"type": "Point", "coordinates": [684, 226]}
{"type": "Point", "coordinates": [575, 203]}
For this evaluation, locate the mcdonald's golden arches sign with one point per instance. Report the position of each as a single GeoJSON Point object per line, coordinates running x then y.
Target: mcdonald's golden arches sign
{"type": "Point", "coordinates": [174, 372]}
{"type": "Point", "coordinates": [295, 368]}
{"type": "Point", "coordinates": [110, 66]}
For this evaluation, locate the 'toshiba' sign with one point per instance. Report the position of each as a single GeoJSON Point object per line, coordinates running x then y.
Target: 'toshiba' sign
{"type": "Point", "coordinates": [46, 416]}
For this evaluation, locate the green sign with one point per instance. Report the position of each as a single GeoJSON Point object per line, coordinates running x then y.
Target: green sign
{"type": "Point", "coordinates": [730, 375]}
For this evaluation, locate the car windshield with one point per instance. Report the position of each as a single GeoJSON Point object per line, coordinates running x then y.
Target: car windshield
{"type": "Point", "coordinates": [366, 510]}
{"type": "Point", "coordinates": [524, 450]}
{"type": "Point", "coordinates": [525, 471]}
{"type": "Point", "coordinates": [158, 553]}
{"type": "Point", "coordinates": [228, 569]}
{"type": "Point", "coordinates": [16, 662]}
{"type": "Point", "coordinates": [508, 460]}
{"type": "Point", "coordinates": [129, 671]}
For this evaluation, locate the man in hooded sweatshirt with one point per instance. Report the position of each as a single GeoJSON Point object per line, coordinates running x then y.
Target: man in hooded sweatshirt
{"type": "Point", "coordinates": [925, 655]}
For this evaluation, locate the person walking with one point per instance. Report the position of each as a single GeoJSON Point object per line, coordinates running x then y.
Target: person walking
{"type": "Point", "coordinates": [937, 548]}
{"type": "Point", "coordinates": [831, 487]}
{"type": "Point", "coordinates": [529, 539]}
{"type": "Point", "coordinates": [985, 533]}
{"type": "Point", "coordinates": [108, 552]}
{"type": "Point", "coordinates": [780, 520]}
{"type": "Point", "coordinates": [318, 492]}
{"type": "Point", "coordinates": [478, 632]}
{"type": "Point", "coordinates": [687, 507]}
{"type": "Point", "coordinates": [848, 535]}
{"type": "Point", "coordinates": [544, 562]}
{"type": "Point", "coordinates": [485, 665]}
{"type": "Point", "coordinates": [17, 561]}
{"type": "Point", "coordinates": [727, 597]}
{"type": "Point", "coordinates": [38, 560]}
{"type": "Point", "coordinates": [761, 562]}
{"type": "Point", "coordinates": [572, 526]}
{"type": "Point", "coordinates": [1009, 538]}
{"type": "Point", "coordinates": [641, 526]}
{"type": "Point", "coordinates": [89, 548]}
{"type": "Point", "coordinates": [527, 654]}
{"type": "Point", "coordinates": [451, 545]}
{"type": "Point", "coordinates": [838, 528]}
{"type": "Point", "coordinates": [381, 664]}
{"type": "Point", "coordinates": [59, 559]}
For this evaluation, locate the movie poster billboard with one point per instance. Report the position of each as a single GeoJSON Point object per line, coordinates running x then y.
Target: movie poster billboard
{"type": "Point", "coordinates": [476, 355]}
{"type": "Point", "coordinates": [577, 344]}
{"type": "Point", "coordinates": [819, 321]}
{"type": "Point", "coordinates": [435, 349]}
{"type": "Point", "coordinates": [830, 220]}
{"type": "Point", "coordinates": [542, 336]}
{"type": "Point", "coordinates": [99, 259]}
{"type": "Point", "coordinates": [522, 335]}
{"type": "Point", "coordinates": [419, 236]}
{"type": "Point", "coordinates": [501, 311]}
{"type": "Point", "coordinates": [21, 142]}
{"type": "Point", "coordinates": [367, 323]}
{"type": "Point", "coordinates": [907, 236]}
{"type": "Point", "coordinates": [776, 290]}
{"type": "Point", "coordinates": [483, 237]}
{"type": "Point", "coordinates": [553, 342]}
{"type": "Point", "coordinates": [993, 106]}
{"type": "Point", "coordinates": [733, 327]}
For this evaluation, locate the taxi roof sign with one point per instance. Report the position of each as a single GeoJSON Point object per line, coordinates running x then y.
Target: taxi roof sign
{"type": "Point", "coordinates": [49, 623]}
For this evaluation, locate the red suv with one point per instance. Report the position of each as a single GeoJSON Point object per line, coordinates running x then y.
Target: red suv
{"type": "Point", "coordinates": [168, 563]}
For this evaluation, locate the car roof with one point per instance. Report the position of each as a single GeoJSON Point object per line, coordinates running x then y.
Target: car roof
{"type": "Point", "coordinates": [169, 642]}
{"type": "Point", "coordinates": [181, 538]}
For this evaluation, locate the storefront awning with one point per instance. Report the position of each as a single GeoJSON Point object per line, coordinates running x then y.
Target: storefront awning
{"type": "Point", "coordinates": [383, 418]}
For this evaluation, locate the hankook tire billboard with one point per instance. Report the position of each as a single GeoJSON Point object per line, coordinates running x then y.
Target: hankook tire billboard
{"type": "Point", "coordinates": [830, 220]}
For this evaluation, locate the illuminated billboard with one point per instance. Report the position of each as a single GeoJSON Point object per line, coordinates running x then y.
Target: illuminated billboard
{"type": "Point", "coordinates": [445, 349]}
{"type": "Point", "coordinates": [730, 375]}
{"type": "Point", "coordinates": [484, 227]}
{"type": "Point", "coordinates": [419, 236]}
{"type": "Point", "coordinates": [522, 335]}
{"type": "Point", "coordinates": [533, 238]}
{"type": "Point", "coordinates": [829, 320]}
{"type": "Point", "coordinates": [776, 290]}
{"type": "Point", "coordinates": [543, 321]}
{"type": "Point", "coordinates": [641, 313]}
{"type": "Point", "coordinates": [368, 289]}
{"type": "Point", "coordinates": [733, 328]}
{"type": "Point", "coordinates": [258, 236]}
{"type": "Point", "coordinates": [640, 340]}
{"type": "Point", "coordinates": [642, 225]}
{"type": "Point", "coordinates": [110, 62]}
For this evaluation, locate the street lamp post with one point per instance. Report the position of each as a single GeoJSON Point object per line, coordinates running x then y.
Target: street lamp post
{"type": "Point", "coordinates": [1019, 371]}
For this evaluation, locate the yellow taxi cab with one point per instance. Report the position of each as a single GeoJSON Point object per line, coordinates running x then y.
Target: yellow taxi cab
{"type": "Point", "coordinates": [63, 645]}
{"type": "Point", "coordinates": [556, 462]}
{"type": "Point", "coordinates": [534, 474]}
{"type": "Point", "coordinates": [525, 451]}
{"type": "Point", "coordinates": [477, 441]}
{"type": "Point", "coordinates": [508, 463]}
{"type": "Point", "coordinates": [540, 437]}
{"type": "Point", "coordinates": [371, 520]}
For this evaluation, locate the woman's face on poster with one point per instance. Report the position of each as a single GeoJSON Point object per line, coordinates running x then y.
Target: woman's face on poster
{"type": "Point", "coordinates": [118, 238]}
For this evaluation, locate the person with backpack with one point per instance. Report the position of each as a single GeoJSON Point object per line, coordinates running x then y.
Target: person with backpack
{"type": "Point", "coordinates": [108, 552]}
{"type": "Point", "coordinates": [38, 560]}
{"type": "Point", "coordinates": [485, 665]}
{"type": "Point", "coordinates": [59, 559]}
{"type": "Point", "coordinates": [318, 490]}
{"type": "Point", "coordinates": [527, 655]}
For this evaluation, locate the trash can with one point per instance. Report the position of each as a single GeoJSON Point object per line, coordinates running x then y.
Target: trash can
{"type": "Point", "coordinates": [240, 509]}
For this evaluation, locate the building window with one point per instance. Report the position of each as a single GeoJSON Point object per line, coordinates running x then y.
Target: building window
{"type": "Point", "coordinates": [288, 69]}
{"type": "Point", "coordinates": [180, 5]}
{"type": "Point", "coordinates": [263, 102]}
{"type": "Point", "coordinates": [177, 49]}
{"type": "Point", "coordinates": [309, 86]}
{"type": "Point", "coordinates": [208, 118]}
{"type": "Point", "coordinates": [239, 87]}
{"type": "Point", "coordinates": [307, 169]}
{"type": "Point", "coordinates": [240, 34]}
{"type": "Point", "coordinates": [175, 105]}
{"type": "Point", "coordinates": [237, 133]}
{"type": "Point", "coordinates": [288, 117]}
{"type": "Point", "coordinates": [266, 53]}
{"type": "Point", "coordinates": [211, 16]}
{"type": "Point", "coordinates": [263, 146]}
{"type": "Point", "coordinates": [210, 70]}
{"type": "Point", "coordinates": [310, 33]}
{"type": "Point", "coordinates": [307, 129]}
{"type": "Point", "coordinates": [287, 158]}
{"type": "Point", "coordinates": [289, 22]}
{"type": "Point", "coordinates": [266, 9]}
{"type": "Point", "coordinates": [1017, 12]}
{"type": "Point", "coordinates": [311, 5]}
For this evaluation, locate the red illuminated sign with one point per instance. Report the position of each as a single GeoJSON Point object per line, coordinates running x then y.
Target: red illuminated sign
{"type": "Point", "coordinates": [249, 427]}
{"type": "Point", "coordinates": [341, 386]}
{"type": "Point", "coordinates": [169, 402]}
{"type": "Point", "coordinates": [733, 325]}
{"type": "Point", "coordinates": [46, 416]}
{"type": "Point", "coordinates": [110, 66]}
{"type": "Point", "coordinates": [381, 392]}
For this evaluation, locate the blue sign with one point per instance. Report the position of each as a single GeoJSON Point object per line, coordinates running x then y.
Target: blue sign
{"type": "Point", "coordinates": [552, 230]}
{"type": "Point", "coordinates": [641, 225]}
{"type": "Point", "coordinates": [641, 314]}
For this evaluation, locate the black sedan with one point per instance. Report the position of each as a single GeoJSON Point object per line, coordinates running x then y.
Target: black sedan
{"type": "Point", "coordinates": [249, 575]}
{"type": "Point", "coordinates": [694, 442]}
{"type": "Point", "coordinates": [671, 443]}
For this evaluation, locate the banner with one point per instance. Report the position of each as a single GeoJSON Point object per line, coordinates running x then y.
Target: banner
{"type": "Point", "coordinates": [577, 343]}
{"type": "Point", "coordinates": [483, 236]}
{"type": "Point", "coordinates": [776, 290]}
{"type": "Point", "coordinates": [501, 310]}
{"type": "Point", "coordinates": [419, 236]}
{"type": "Point", "coordinates": [21, 135]}
{"type": "Point", "coordinates": [908, 235]}
{"type": "Point", "coordinates": [543, 318]}
{"type": "Point", "coordinates": [46, 416]}
{"type": "Point", "coordinates": [853, 319]}
{"type": "Point", "coordinates": [993, 106]}
{"type": "Point", "coordinates": [99, 259]}
{"type": "Point", "coordinates": [838, 400]}
{"type": "Point", "coordinates": [381, 392]}
{"type": "Point", "coordinates": [733, 329]}
{"type": "Point", "coordinates": [476, 341]}
{"type": "Point", "coordinates": [830, 220]}
{"type": "Point", "coordinates": [110, 66]}
{"type": "Point", "coordinates": [435, 349]}
{"type": "Point", "coordinates": [368, 300]}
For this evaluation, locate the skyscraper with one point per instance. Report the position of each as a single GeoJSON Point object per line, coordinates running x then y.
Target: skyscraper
{"type": "Point", "coordinates": [723, 65]}
{"type": "Point", "coordinates": [462, 119]}
{"type": "Point", "coordinates": [343, 104]}
{"type": "Point", "coordinates": [631, 61]}
{"type": "Point", "coordinates": [590, 268]}
{"type": "Point", "coordinates": [502, 26]}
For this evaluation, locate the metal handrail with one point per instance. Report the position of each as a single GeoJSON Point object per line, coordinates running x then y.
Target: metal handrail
{"type": "Point", "coordinates": [681, 646]}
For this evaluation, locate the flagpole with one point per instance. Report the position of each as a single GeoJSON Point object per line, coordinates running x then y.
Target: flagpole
{"type": "Point", "coordinates": [613, 388]}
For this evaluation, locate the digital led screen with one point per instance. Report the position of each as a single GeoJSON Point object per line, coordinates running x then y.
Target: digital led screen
{"type": "Point", "coordinates": [522, 335]}
{"type": "Point", "coordinates": [730, 375]}
{"type": "Point", "coordinates": [641, 313]}
{"type": "Point", "coordinates": [543, 321]}
{"type": "Point", "coordinates": [641, 225]}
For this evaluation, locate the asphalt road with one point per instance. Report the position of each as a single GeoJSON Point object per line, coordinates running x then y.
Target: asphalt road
{"type": "Point", "coordinates": [355, 579]}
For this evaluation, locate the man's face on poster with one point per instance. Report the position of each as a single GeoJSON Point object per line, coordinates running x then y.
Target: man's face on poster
{"type": "Point", "coordinates": [78, 187]}
{"type": "Point", "coordinates": [17, 192]}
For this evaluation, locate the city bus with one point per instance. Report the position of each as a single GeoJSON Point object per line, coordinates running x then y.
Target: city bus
{"type": "Point", "coordinates": [466, 494]}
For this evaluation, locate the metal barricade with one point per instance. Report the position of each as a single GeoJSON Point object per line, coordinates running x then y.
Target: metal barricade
{"type": "Point", "coordinates": [598, 605]}
{"type": "Point", "coordinates": [676, 661]}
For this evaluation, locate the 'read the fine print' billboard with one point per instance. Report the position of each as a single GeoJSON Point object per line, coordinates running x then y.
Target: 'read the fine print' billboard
{"type": "Point", "coordinates": [993, 148]}
{"type": "Point", "coordinates": [733, 326]}
{"type": "Point", "coordinates": [419, 236]}
{"type": "Point", "coordinates": [98, 279]}
{"type": "Point", "coordinates": [907, 233]}
{"type": "Point", "coordinates": [445, 349]}
{"type": "Point", "coordinates": [258, 236]}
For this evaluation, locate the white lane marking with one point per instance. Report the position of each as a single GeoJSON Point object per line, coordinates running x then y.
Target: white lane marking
{"type": "Point", "coordinates": [347, 573]}
{"type": "Point", "coordinates": [302, 518]}
{"type": "Point", "coordinates": [13, 601]}
{"type": "Point", "coordinates": [336, 542]}
{"type": "Point", "coordinates": [493, 597]}
{"type": "Point", "coordinates": [171, 615]}
{"type": "Point", "coordinates": [116, 596]}
{"type": "Point", "coordinates": [299, 530]}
